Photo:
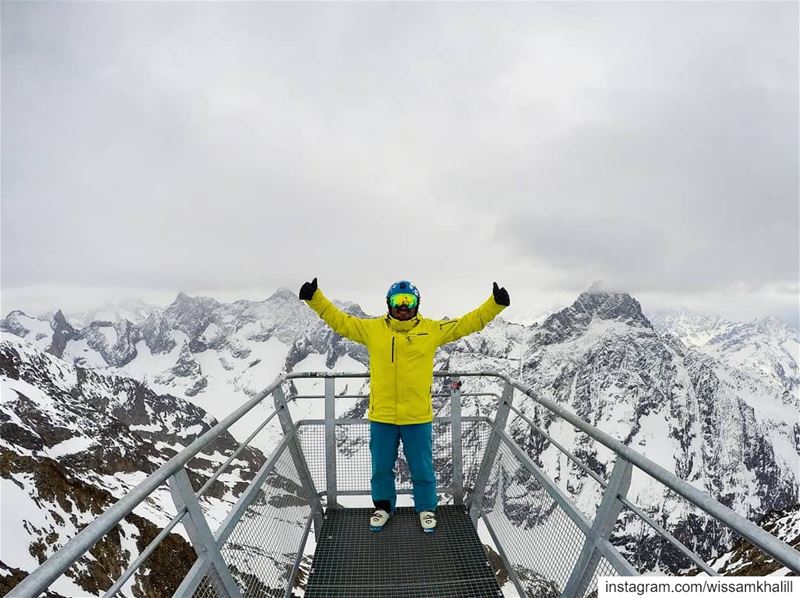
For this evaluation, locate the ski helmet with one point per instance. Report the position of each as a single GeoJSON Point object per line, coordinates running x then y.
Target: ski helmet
{"type": "Point", "coordinates": [403, 287]}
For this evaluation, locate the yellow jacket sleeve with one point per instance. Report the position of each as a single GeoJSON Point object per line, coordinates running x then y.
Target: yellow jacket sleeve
{"type": "Point", "coordinates": [344, 324]}
{"type": "Point", "coordinates": [452, 330]}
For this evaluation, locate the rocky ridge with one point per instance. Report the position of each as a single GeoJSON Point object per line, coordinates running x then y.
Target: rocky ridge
{"type": "Point", "coordinates": [72, 442]}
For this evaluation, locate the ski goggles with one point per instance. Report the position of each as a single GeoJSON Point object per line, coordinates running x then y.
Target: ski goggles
{"type": "Point", "coordinates": [408, 299]}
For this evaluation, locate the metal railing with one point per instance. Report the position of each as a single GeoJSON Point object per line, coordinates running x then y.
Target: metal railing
{"type": "Point", "coordinates": [547, 544]}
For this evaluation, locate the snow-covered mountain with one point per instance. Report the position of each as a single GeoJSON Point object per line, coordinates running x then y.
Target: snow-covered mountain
{"type": "Point", "coordinates": [76, 440]}
{"type": "Point", "coordinates": [133, 310]}
{"type": "Point", "coordinates": [745, 559]}
{"type": "Point", "coordinates": [198, 348]}
{"type": "Point", "coordinates": [765, 348]}
{"type": "Point", "coordinates": [694, 330]}
{"type": "Point", "coordinates": [716, 402]}
{"type": "Point", "coordinates": [724, 417]}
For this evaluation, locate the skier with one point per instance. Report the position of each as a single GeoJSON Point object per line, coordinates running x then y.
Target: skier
{"type": "Point", "coordinates": [401, 348]}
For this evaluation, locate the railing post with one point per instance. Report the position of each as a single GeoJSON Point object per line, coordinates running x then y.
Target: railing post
{"type": "Point", "coordinates": [330, 441]}
{"type": "Point", "coordinates": [602, 527]}
{"type": "Point", "coordinates": [297, 456]}
{"type": "Point", "coordinates": [458, 458]}
{"type": "Point", "coordinates": [200, 534]}
{"type": "Point", "coordinates": [489, 455]}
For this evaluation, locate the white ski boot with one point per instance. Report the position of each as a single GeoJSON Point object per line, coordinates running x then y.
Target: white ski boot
{"type": "Point", "coordinates": [378, 520]}
{"type": "Point", "coordinates": [428, 521]}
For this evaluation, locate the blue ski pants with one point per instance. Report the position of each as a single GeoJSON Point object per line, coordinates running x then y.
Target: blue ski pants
{"type": "Point", "coordinates": [384, 440]}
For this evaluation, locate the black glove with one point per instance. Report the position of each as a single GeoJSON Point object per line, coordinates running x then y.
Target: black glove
{"type": "Point", "coordinates": [308, 289]}
{"type": "Point", "coordinates": [500, 295]}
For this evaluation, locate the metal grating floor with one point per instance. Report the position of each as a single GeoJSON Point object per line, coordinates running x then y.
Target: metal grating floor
{"type": "Point", "coordinates": [401, 560]}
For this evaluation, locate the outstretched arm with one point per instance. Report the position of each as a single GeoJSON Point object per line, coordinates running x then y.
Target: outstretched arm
{"type": "Point", "coordinates": [342, 323]}
{"type": "Point", "coordinates": [452, 330]}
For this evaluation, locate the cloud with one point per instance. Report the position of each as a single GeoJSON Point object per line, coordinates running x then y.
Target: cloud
{"type": "Point", "coordinates": [230, 146]}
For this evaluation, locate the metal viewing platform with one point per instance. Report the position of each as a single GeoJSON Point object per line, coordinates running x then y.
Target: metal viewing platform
{"type": "Point", "coordinates": [401, 561]}
{"type": "Point", "coordinates": [505, 527]}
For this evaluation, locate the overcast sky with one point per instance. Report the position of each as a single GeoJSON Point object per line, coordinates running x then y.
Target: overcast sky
{"type": "Point", "coordinates": [233, 148]}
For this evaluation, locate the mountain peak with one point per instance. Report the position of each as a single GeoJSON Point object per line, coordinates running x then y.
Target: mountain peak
{"type": "Point", "coordinates": [284, 294]}
{"type": "Point", "coordinates": [354, 309]}
{"type": "Point", "coordinates": [63, 332]}
{"type": "Point", "coordinates": [598, 286]}
{"type": "Point", "coordinates": [610, 305]}
{"type": "Point", "coordinates": [769, 327]}
{"type": "Point", "coordinates": [773, 325]}
{"type": "Point", "coordinates": [60, 321]}
{"type": "Point", "coordinates": [191, 315]}
{"type": "Point", "coordinates": [596, 302]}
{"type": "Point", "coordinates": [184, 299]}
{"type": "Point", "coordinates": [17, 313]}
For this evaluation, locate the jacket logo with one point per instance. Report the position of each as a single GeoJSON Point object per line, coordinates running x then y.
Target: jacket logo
{"type": "Point", "coordinates": [410, 336]}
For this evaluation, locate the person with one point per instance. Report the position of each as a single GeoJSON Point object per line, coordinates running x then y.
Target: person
{"type": "Point", "coordinates": [401, 348]}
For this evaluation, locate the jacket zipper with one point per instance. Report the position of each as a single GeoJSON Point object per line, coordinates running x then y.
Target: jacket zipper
{"type": "Point", "coordinates": [396, 382]}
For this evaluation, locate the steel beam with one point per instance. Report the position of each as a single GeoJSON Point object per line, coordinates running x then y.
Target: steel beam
{"type": "Point", "coordinates": [298, 457]}
{"type": "Point", "coordinates": [200, 534]}
{"type": "Point", "coordinates": [490, 454]}
{"type": "Point", "coordinates": [603, 525]}
{"type": "Point", "coordinates": [330, 442]}
{"type": "Point", "coordinates": [458, 458]}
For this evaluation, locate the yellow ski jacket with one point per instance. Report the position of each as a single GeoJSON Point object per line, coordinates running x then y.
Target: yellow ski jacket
{"type": "Point", "coordinates": [401, 355]}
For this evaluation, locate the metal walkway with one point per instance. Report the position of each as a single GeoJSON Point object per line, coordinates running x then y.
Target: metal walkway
{"type": "Point", "coordinates": [401, 560]}
{"type": "Point", "coordinates": [546, 544]}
